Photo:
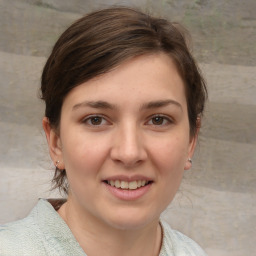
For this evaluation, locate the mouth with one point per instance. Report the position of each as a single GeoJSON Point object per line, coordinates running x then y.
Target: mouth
{"type": "Point", "coordinates": [128, 185]}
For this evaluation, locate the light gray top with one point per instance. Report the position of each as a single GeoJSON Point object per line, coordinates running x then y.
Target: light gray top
{"type": "Point", "coordinates": [44, 232]}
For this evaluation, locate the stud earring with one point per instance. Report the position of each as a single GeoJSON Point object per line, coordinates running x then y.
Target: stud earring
{"type": "Point", "coordinates": [57, 163]}
{"type": "Point", "coordinates": [190, 160]}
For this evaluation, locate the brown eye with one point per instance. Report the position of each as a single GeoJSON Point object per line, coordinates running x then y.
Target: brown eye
{"type": "Point", "coordinates": [158, 120]}
{"type": "Point", "coordinates": [96, 120]}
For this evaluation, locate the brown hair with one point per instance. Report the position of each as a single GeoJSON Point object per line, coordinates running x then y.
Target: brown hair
{"type": "Point", "coordinates": [100, 41]}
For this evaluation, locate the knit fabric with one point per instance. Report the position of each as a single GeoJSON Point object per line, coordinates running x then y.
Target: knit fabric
{"type": "Point", "coordinates": [44, 233]}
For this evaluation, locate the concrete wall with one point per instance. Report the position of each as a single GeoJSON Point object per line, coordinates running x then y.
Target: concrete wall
{"type": "Point", "coordinates": [216, 204]}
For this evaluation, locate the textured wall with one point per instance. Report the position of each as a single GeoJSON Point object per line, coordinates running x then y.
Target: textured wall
{"type": "Point", "coordinates": [216, 204]}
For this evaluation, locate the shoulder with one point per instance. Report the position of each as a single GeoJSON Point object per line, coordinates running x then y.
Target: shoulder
{"type": "Point", "coordinates": [177, 244]}
{"type": "Point", "coordinates": [42, 233]}
{"type": "Point", "coordinates": [19, 237]}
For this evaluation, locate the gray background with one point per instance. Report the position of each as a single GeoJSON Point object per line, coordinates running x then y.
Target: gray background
{"type": "Point", "coordinates": [216, 204]}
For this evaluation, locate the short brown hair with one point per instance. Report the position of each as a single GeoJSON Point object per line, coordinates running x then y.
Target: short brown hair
{"type": "Point", "coordinates": [102, 40]}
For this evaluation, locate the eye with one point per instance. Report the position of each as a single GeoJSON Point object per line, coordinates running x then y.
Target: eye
{"type": "Point", "coordinates": [159, 120]}
{"type": "Point", "coordinates": [95, 120]}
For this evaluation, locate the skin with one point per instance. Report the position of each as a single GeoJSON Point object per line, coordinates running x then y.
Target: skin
{"type": "Point", "coordinates": [130, 121]}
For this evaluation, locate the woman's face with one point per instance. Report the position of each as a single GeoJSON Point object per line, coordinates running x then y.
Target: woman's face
{"type": "Point", "coordinates": [126, 128]}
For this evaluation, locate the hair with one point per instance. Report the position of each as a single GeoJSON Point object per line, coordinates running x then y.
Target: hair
{"type": "Point", "coordinates": [102, 40]}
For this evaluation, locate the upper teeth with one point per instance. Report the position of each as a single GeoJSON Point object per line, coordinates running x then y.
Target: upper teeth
{"type": "Point", "coordinates": [127, 185]}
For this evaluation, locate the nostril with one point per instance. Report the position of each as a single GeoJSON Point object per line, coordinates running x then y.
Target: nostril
{"type": "Point", "coordinates": [128, 150]}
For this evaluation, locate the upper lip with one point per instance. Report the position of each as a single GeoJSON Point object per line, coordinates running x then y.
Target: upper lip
{"type": "Point", "coordinates": [128, 178]}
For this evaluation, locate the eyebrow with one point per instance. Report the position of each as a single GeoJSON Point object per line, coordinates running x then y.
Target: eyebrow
{"type": "Point", "coordinates": [94, 104]}
{"type": "Point", "coordinates": [160, 103]}
{"type": "Point", "coordinates": [106, 105]}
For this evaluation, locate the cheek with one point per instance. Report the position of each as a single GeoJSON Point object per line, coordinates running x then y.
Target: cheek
{"type": "Point", "coordinates": [170, 154]}
{"type": "Point", "coordinates": [83, 158]}
{"type": "Point", "coordinates": [170, 161]}
{"type": "Point", "coordinates": [83, 155]}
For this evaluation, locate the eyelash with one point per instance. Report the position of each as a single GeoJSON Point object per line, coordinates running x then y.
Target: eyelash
{"type": "Point", "coordinates": [91, 117]}
{"type": "Point", "coordinates": [88, 120]}
{"type": "Point", "coordinates": [165, 119]}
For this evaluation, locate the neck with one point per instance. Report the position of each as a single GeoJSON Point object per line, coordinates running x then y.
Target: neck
{"type": "Point", "coordinates": [100, 239]}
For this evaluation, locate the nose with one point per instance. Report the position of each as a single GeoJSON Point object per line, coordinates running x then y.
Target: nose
{"type": "Point", "coordinates": [128, 146]}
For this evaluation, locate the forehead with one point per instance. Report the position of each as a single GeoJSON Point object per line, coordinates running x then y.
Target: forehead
{"type": "Point", "coordinates": [143, 78]}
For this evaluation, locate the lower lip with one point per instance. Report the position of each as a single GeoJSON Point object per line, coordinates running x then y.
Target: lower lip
{"type": "Point", "coordinates": [128, 194]}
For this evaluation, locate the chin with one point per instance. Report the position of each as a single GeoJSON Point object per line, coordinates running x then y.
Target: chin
{"type": "Point", "coordinates": [132, 220]}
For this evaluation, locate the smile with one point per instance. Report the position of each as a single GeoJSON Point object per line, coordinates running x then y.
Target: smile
{"type": "Point", "coordinates": [128, 184]}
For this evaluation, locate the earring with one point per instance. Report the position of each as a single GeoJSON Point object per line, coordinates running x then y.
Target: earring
{"type": "Point", "coordinates": [190, 160]}
{"type": "Point", "coordinates": [57, 163]}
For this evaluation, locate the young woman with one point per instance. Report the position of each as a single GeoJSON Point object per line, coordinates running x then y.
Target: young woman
{"type": "Point", "coordinates": [124, 100]}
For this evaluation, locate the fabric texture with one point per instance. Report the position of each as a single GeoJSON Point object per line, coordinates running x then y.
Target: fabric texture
{"type": "Point", "coordinates": [44, 233]}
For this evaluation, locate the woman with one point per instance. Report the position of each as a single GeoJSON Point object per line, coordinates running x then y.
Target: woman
{"type": "Point", "coordinates": [124, 100]}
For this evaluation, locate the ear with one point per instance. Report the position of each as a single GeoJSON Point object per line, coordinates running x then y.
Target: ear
{"type": "Point", "coordinates": [54, 143]}
{"type": "Point", "coordinates": [191, 150]}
